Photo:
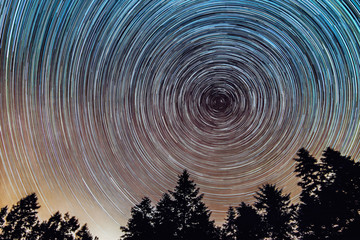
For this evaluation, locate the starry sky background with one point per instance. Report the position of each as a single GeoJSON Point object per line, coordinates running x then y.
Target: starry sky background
{"type": "Point", "coordinates": [104, 102]}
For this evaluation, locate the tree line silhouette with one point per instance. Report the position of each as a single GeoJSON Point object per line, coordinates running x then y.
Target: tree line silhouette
{"type": "Point", "coordinates": [329, 208]}
{"type": "Point", "coordinates": [22, 222]}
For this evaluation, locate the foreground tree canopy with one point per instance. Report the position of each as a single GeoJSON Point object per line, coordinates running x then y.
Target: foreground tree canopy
{"type": "Point", "coordinates": [21, 222]}
{"type": "Point", "coordinates": [330, 199]}
{"type": "Point", "coordinates": [180, 214]}
{"type": "Point", "coordinates": [329, 208]}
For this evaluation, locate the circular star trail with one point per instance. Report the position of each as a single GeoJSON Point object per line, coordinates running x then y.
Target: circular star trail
{"type": "Point", "coordinates": [104, 102]}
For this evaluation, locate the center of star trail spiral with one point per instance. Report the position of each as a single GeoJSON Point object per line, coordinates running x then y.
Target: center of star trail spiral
{"type": "Point", "coordinates": [104, 102]}
{"type": "Point", "coordinates": [218, 102]}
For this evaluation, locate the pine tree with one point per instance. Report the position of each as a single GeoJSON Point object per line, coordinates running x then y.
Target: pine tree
{"type": "Point", "coordinates": [340, 193]}
{"type": "Point", "coordinates": [179, 215]}
{"type": "Point", "coordinates": [191, 214]}
{"type": "Point", "coordinates": [164, 218]}
{"type": "Point", "coordinates": [83, 233]}
{"type": "Point", "coordinates": [51, 229]}
{"type": "Point", "coordinates": [141, 224]}
{"type": "Point", "coordinates": [69, 225]}
{"type": "Point", "coordinates": [21, 219]}
{"type": "Point", "coordinates": [229, 228]}
{"type": "Point", "coordinates": [3, 213]}
{"type": "Point", "coordinates": [22, 222]}
{"type": "Point", "coordinates": [307, 168]}
{"type": "Point", "coordinates": [329, 207]}
{"type": "Point", "coordinates": [248, 223]}
{"type": "Point", "coordinates": [277, 212]}
{"type": "Point", "coordinates": [310, 211]}
{"type": "Point", "coordinates": [59, 227]}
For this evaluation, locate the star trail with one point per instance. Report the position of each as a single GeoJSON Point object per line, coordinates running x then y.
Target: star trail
{"type": "Point", "coordinates": [104, 102]}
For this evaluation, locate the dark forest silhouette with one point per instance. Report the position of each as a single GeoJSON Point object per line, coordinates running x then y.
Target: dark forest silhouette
{"type": "Point", "coordinates": [329, 208]}
{"type": "Point", "coordinates": [180, 214]}
{"type": "Point", "coordinates": [22, 222]}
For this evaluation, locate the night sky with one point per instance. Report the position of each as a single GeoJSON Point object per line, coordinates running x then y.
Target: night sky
{"type": "Point", "coordinates": [104, 102]}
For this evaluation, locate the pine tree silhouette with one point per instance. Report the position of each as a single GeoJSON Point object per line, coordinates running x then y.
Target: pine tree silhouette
{"type": "Point", "coordinates": [141, 224]}
{"type": "Point", "coordinates": [3, 213]}
{"type": "Point", "coordinates": [164, 218]}
{"type": "Point", "coordinates": [191, 214]}
{"type": "Point", "coordinates": [277, 212]}
{"type": "Point", "coordinates": [83, 233]}
{"type": "Point", "coordinates": [310, 212]}
{"type": "Point", "coordinates": [229, 228]}
{"type": "Point", "coordinates": [58, 227]}
{"type": "Point", "coordinates": [248, 223]}
{"type": "Point", "coordinates": [329, 207]}
{"type": "Point", "coordinates": [22, 223]}
{"type": "Point", "coordinates": [179, 215]}
{"type": "Point", "coordinates": [21, 219]}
